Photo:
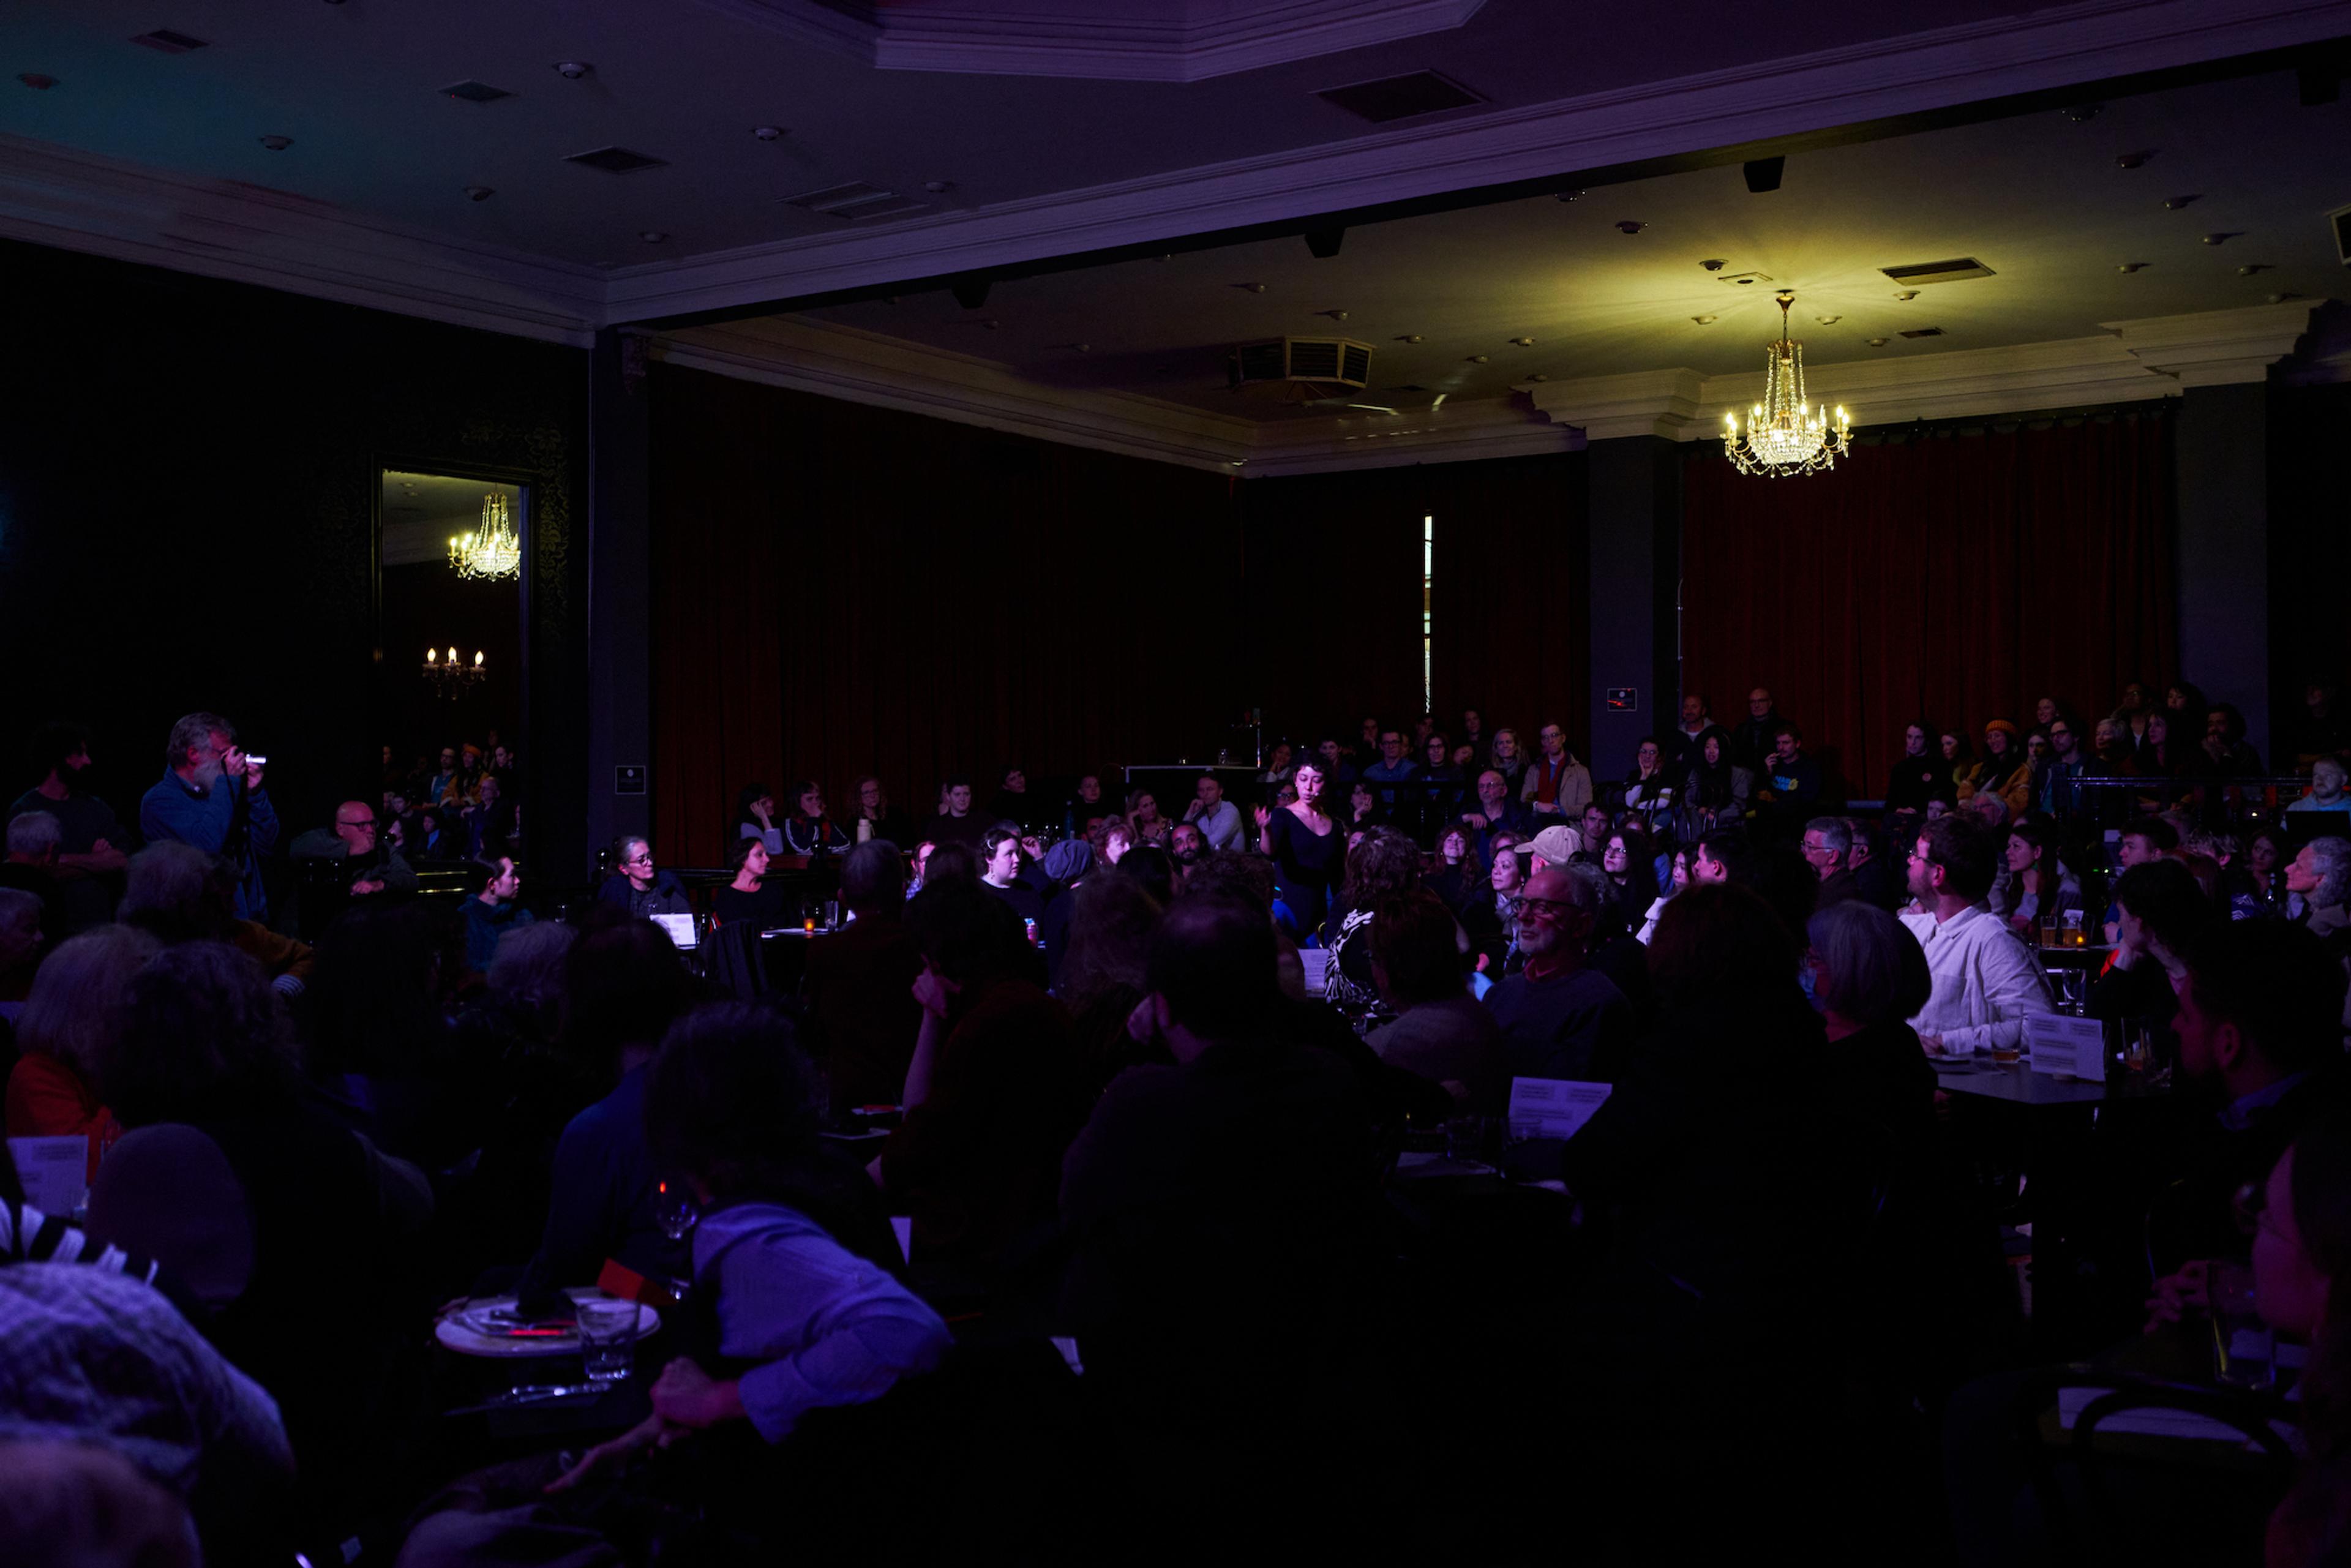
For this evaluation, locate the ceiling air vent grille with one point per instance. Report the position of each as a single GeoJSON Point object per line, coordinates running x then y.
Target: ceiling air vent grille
{"type": "Point", "coordinates": [1400, 98]}
{"type": "Point", "coordinates": [855, 202]}
{"type": "Point", "coordinates": [168, 42]}
{"type": "Point", "coordinates": [1950, 271]}
{"type": "Point", "coordinates": [1924, 332]}
{"type": "Point", "coordinates": [1302, 370]}
{"type": "Point", "coordinates": [474, 91]}
{"type": "Point", "coordinates": [618, 161]}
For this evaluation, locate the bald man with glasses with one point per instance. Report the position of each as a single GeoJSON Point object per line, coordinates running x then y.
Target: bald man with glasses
{"type": "Point", "coordinates": [357, 839]}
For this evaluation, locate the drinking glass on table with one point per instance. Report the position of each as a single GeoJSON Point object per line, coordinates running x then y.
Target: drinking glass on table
{"type": "Point", "coordinates": [1465, 1138]}
{"type": "Point", "coordinates": [2070, 929]}
{"type": "Point", "coordinates": [608, 1338]}
{"type": "Point", "coordinates": [2244, 1346]}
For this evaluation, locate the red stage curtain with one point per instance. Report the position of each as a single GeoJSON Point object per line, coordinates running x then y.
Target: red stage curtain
{"type": "Point", "coordinates": [1955, 577]}
{"type": "Point", "coordinates": [1335, 581]}
{"type": "Point", "coordinates": [841, 589]}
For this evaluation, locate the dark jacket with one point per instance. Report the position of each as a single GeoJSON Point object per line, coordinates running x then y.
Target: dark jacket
{"type": "Point", "coordinates": [667, 896]}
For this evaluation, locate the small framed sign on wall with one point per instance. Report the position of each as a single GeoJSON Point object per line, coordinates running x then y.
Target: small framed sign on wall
{"type": "Point", "coordinates": [1624, 699]}
{"type": "Point", "coordinates": [628, 779]}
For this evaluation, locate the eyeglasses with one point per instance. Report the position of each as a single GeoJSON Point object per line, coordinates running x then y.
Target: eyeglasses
{"type": "Point", "coordinates": [367, 822]}
{"type": "Point", "coordinates": [1549, 908]}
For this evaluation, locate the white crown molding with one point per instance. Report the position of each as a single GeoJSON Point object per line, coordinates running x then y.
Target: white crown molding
{"type": "Point", "coordinates": [1461, 431]}
{"type": "Point", "coordinates": [222, 229]}
{"type": "Point", "coordinates": [890, 372]}
{"type": "Point", "coordinates": [1919, 72]}
{"type": "Point", "coordinates": [2134, 361]}
{"type": "Point", "coordinates": [863, 366]}
{"type": "Point", "coordinates": [1127, 42]}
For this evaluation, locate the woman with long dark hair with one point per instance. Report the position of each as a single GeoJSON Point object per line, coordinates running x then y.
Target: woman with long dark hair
{"type": "Point", "coordinates": [1717, 791]}
{"type": "Point", "coordinates": [1961, 771]}
{"type": "Point", "coordinates": [1630, 863]}
{"type": "Point", "coordinates": [2031, 880]}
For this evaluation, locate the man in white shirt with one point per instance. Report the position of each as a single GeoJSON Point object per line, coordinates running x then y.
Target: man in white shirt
{"type": "Point", "coordinates": [1219, 820]}
{"type": "Point", "coordinates": [1987, 980]}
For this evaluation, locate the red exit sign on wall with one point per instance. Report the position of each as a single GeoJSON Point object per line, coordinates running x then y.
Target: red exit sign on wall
{"type": "Point", "coordinates": [1624, 699]}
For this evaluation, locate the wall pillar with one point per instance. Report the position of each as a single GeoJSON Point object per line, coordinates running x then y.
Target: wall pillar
{"type": "Point", "coordinates": [619, 592]}
{"type": "Point", "coordinates": [2221, 452]}
{"type": "Point", "coordinates": [1633, 580]}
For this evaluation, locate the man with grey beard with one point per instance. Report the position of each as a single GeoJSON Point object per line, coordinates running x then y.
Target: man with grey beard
{"type": "Point", "coordinates": [1561, 1019]}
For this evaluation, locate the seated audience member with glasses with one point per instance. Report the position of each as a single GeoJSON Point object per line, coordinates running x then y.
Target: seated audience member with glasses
{"type": "Point", "coordinates": [636, 887]}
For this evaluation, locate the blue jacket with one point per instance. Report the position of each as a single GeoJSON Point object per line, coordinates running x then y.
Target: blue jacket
{"type": "Point", "coordinates": [238, 824]}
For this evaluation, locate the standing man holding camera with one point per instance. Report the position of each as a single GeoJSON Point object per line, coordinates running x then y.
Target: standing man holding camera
{"type": "Point", "coordinates": [211, 797]}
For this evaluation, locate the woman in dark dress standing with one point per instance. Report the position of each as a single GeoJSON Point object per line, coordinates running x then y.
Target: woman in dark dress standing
{"type": "Point", "coordinates": [1308, 850]}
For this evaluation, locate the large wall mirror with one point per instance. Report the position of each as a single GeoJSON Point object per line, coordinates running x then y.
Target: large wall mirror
{"type": "Point", "coordinates": [455, 562]}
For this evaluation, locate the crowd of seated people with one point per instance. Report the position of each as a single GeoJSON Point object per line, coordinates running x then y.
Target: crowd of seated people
{"type": "Point", "coordinates": [1143, 1087]}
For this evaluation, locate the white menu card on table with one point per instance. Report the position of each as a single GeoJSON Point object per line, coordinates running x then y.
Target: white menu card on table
{"type": "Point", "coordinates": [2060, 1042]}
{"type": "Point", "coordinates": [53, 1171]}
{"type": "Point", "coordinates": [1553, 1107]}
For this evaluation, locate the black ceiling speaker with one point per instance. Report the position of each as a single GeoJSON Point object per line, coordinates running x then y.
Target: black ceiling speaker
{"type": "Point", "coordinates": [1763, 174]}
{"type": "Point", "coordinates": [971, 293]}
{"type": "Point", "coordinates": [1323, 244]}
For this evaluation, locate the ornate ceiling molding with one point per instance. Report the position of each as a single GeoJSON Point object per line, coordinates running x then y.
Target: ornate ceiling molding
{"type": "Point", "coordinates": [2136, 362]}
{"type": "Point", "coordinates": [250, 233]}
{"type": "Point", "coordinates": [1132, 40]}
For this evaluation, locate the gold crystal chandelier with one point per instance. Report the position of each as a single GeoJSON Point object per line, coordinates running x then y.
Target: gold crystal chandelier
{"type": "Point", "coordinates": [1786, 434]}
{"type": "Point", "coordinates": [493, 550]}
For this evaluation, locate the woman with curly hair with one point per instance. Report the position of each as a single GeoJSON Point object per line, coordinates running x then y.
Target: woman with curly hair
{"type": "Point", "coordinates": [1385, 863]}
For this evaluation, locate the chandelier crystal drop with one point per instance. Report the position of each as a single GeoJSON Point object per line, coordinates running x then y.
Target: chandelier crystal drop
{"type": "Point", "coordinates": [1786, 434]}
{"type": "Point", "coordinates": [493, 550]}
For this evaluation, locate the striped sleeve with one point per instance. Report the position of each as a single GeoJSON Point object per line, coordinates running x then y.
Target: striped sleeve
{"type": "Point", "coordinates": [28, 1236]}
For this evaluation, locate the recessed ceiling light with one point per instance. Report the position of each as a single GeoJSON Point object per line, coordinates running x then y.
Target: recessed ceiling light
{"type": "Point", "coordinates": [2128, 266]}
{"type": "Point", "coordinates": [2176, 203]}
{"type": "Point", "coordinates": [572, 70]}
{"type": "Point", "coordinates": [1630, 225]}
{"type": "Point", "coordinates": [992, 324]}
{"type": "Point", "coordinates": [1905, 293]}
{"type": "Point", "coordinates": [474, 92]}
{"type": "Point", "coordinates": [1412, 338]}
{"type": "Point", "coordinates": [1334, 315]}
{"type": "Point", "coordinates": [1571, 195]}
{"type": "Point", "coordinates": [38, 82]}
{"type": "Point", "coordinates": [1828, 320]}
{"type": "Point", "coordinates": [1524, 342]}
{"type": "Point", "coordinates": [2133, 160]}
{"type": "Point", "coordinates": [1240, 463]}
{"type": "Point", "coordinates": [278, 143]}
{"type": "Point", "coordinates": [1714, 264]}
{"type": "Point", "coordinates": [2081, 113]}
{"type": "Point", "coordinates": [938, 187]}
{"type": "Point", "coordinates": [2251, 267]}
{"type": "Point", "coordinates": [1250, 287]}
{"type": "Point", "coordinates": [2282, 298]}
{"type": "Point", "coordinates": [1707, 320]}
{"type": "Point", "coordinates": [479, 193]}
{"type": "Point", "coordinates": [1482, 359]}
{"type": "Point", "coordinates": [2222, 237]}
{"type": "Point", "coordinates": [1083, 348]}
{"type": "Point", "coordinates": [769, 132]}
{"type": "Point", "coordinates": [1878, 342]}
{"type": "Point", "coordinates": [1538, 376]}
{"type": "Point", "coordinates": [652, 236]}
